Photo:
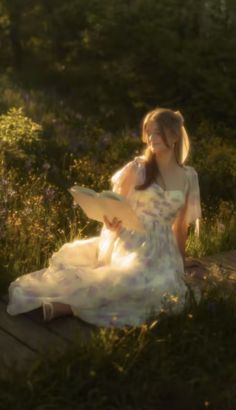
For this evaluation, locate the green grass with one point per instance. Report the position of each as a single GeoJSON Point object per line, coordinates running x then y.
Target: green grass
{"type": "Point", "coordinates": [186, 361]}
{"type": "Point", "coordinates": [217, 231]}
{"type": "Point", "coordinates": [182, 362]}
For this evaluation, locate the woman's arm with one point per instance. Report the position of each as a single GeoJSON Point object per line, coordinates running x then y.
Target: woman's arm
{"type": "Point", "coordinates": [181, 234]}
{"type": "Point", "coordinates": [180, 229]}
{"type": "Point", "coordinates": [190, 212]}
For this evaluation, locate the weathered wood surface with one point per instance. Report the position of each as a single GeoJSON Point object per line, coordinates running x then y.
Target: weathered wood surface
{"type": "Point", "coordinates": [25, 337]}
{"type": "Point", "coordinates": [225, 261]}
{"type": "Point", "coordinates": [14, 353]}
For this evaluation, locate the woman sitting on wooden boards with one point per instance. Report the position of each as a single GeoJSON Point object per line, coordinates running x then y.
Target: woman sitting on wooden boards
{"type": "Point", "coordinates": [121, 276]}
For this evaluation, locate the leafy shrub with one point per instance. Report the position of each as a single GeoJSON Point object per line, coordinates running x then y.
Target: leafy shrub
{"type": "Point", "coordinates": [217, 231]}
{"type": "Point", "coordinates": [214, 158]}
{"type": "Point", "coordinates": [36, 207]}
{"type": "Point", "coordinates": [19, 138]}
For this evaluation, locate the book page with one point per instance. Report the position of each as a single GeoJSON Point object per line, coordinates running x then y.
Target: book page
{"type": "Point", "coordinates": [111, 194]}
{"type": "Point", "coordinates": [77, 188]}
{"type": "Point", "coordinates": [95, 207]}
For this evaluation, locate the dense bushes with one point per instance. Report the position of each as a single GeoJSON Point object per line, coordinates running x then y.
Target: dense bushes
{"type": "Point", "coordinates": [214, 157]}
{"type": "Point", "coordinates": [116, 59]}
{"type": "Point", "coordinates": [35, 173]}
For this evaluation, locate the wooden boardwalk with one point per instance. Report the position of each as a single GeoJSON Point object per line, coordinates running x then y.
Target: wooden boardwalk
{"type": "Point", "coordinates": [26, 337]}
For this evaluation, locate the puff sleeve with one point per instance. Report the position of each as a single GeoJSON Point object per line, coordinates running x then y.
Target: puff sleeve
{"type": "Point", "coordinates": [193, 211]}
{"type": "Point", "coordinates": [123, 182]}
{"type": "Point", "coordinates": [125, 179]}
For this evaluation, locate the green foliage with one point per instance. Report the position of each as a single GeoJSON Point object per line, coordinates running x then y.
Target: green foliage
{"type": "Point", "coordinates": [37, 208]}
{"type": "Point", "coordinates": [217, 230]}
{"type": "Point", "coordinates": [165, 362]}
{"type": "Point", "coordinates": [117, 59]}
{"type": "Point", "coordinates": [17, 130]}
{"type": "Point", "coordinates": [215, 160]}
{"type": "Point", "coordinates": [19, 136]}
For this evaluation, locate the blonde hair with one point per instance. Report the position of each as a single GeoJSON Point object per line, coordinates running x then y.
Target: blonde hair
{"type": "Point", "coordinates": [170, 123]}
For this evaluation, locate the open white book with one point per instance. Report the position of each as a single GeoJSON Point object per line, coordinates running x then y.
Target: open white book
{"type": "Point", "coordinates": [108, 203]}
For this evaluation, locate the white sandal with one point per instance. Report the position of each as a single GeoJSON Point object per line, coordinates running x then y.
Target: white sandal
{"type": "Point", "coordinates": [48, 311]}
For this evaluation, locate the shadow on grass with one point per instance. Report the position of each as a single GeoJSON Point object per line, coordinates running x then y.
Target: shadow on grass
{"type": "Point", "coordinates": [184, 361]}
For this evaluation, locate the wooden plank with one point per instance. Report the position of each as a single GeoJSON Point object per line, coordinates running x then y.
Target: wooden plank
{"type": "Point", "coordinates": [232, 253]}
{"type": "Point", "coordinates": [224, 261]}
{"type": "Point", "coordinates": [35, 336]}
{"type": "Point", "coordinates": [209, 260]}
{"type": "Point", "coordinates": [232, 259]}
{"type": "Point", "coordinates": [227, 260]}
{"type": "Point", "coordinates": [69, 328]}
{"type": "Point", "coordinates": [14, 354]}
{"type": "Point", "coordinates": [72, 328]}
{"type": "Point", "coordinates": [212, 260]}
{"type": "Point", "coordinates": [224, 269]}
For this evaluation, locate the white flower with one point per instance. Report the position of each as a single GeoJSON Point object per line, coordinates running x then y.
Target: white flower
{"type": "Point", "coordinates": [220, 227]}
{"type": "Point", "coordinates": [46, 166]}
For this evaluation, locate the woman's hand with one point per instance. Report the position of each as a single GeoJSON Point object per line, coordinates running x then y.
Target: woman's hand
{"type": "Point", "coordinates": [115, 225]}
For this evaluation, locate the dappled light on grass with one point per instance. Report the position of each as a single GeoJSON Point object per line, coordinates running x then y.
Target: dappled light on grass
{"type": "Point", "coordinates": [170, 361]}
{"type": "Point", "coordinates": [217, 232]}
{"type": "Point", "coordinates": [189, 355]}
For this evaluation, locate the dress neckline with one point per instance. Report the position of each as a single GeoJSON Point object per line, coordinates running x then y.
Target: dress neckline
{"type": "Point", "coordinates": [169, 190]}
{"type": "Point", "coordinates": [174, 190]}
{"type": "Point", "coordinates": [185, 167]}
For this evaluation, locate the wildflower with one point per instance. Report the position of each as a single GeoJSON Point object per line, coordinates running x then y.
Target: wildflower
{"type": "Point", "coordinates": [46, 166]}
{"type": "Point", "coordinates": [135, 135]}
{"type": "Point", "coordinates": [78, 116]}
{"type": "Point", "coordinates": [174, 298]}
{"type": "Point", "coordinates": [220, 227]}
{"type": "Point", "coordinates": [49, 193]}
{"type": "Point", "coordinates": [27, 211]}
{"type": "Point", "coordinates": [4, 181]}
{"type": "Point", "coordinates": [106, 140]}
{"type": "Point", "coordinates": [26, 96]}
{"type": "Point", "coordinates": [75, 205]}
{"type": "Point", "coordinates": [153, 324]}
{"type": "Point", "coordinates": [3, 213]}
{"type": "Point", "coordinates": [11, 192]}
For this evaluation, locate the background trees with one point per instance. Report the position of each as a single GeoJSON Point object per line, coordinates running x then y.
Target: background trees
{"type": "Point", "coordinates": [115, 59]}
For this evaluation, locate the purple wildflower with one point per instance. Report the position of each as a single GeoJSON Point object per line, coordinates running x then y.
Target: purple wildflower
{"type": "Point", "coordinates": [4, 181]}
{"type": "Point", "coordinates": [46, 166]}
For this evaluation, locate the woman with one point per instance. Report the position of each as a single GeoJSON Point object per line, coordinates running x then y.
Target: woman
{"type": "Point", "coordinates": [121, 276]}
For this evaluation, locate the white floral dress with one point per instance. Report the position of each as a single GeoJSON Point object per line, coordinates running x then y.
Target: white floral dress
{"type": "Point", "coordinates": [111, 280]}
